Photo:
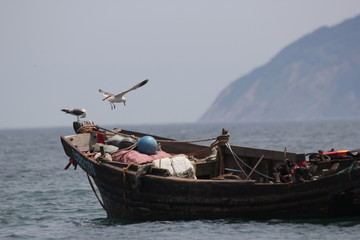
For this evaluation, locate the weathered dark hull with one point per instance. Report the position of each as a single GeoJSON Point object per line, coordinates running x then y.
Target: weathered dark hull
{"type": "Point", "coordinates": [127, 194]}
{"type": "Point", "coordinates": [279, 202]}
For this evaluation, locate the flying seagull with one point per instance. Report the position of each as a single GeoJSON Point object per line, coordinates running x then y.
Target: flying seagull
{"type": "Point", "coordinates": [78, 112]}
{"type": "Point", "coordinates": [112, 98]}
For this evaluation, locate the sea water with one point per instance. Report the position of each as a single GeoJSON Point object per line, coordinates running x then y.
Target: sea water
{"type": "Point", "coordinates": [40, 200]}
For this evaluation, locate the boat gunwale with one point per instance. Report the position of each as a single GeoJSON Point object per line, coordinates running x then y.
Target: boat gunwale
{"type": "Point", "coordinates": [122, 166]}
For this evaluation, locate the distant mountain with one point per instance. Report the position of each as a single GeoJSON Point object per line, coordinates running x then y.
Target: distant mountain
{"type": "Point", "coordinates": [316, 77]}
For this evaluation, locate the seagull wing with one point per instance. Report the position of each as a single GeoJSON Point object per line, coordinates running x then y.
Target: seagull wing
{"type": "Point", "coordinates": [78, 111]}
{"type": "Point", "coordinates": [75, 111]}
{"type": "Point", "coordinates": [66, 110]}
{"type": "Point", "coordinates": [106, 94]}
{"type": "Point", "coordinates": [133, 88]}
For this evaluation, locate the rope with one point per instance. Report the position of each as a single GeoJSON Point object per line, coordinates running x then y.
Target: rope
{"type": "Point", "coordinates": [87, 129]}
{"type": "Point", "coordinates": [126, 150]}
{"type": "Point", "coordinates": [118, 133]}
{"type": "Point", "coordinates": [95, 128]}
{"type": "Point", "coordinates": [187, 141]}
{"type": "Point", "coordinates": [247, 176]}
{"type": "Point", "coordinates": [140, 173]}
{"type": "Point", "coordinates": [161, 140]}
{"type": "Point", "coordinates": [348, 168]}
{"type": "Point", "coordinates": [207, 149]}
{"type": "Point", "coordinates": [238, 158]}
{"type": "Point", "coordinates": [93, 188]}
{"type": "Point", "coordinates": [255, 167]}
{"type": "Point", "coordinates": [199, 151]}
{"type": "Point", "coordinates": [124, 172]}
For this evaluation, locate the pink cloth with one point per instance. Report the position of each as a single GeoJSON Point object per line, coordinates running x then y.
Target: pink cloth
{"type": "Point", "coordinates": [132, 156]}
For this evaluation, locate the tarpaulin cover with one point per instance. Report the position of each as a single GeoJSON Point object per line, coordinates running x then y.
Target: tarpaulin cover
{"type": "Point", "coordinates": [133, 156]}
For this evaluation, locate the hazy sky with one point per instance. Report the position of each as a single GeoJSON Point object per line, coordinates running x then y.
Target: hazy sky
{"type": "Point", "coordinates": [57, 54]}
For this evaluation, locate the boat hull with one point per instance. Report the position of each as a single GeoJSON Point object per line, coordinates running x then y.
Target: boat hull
{"type": "Point", "coordinates": [131, 192]}
{"type": "Point", "coordinates": [210, 202]}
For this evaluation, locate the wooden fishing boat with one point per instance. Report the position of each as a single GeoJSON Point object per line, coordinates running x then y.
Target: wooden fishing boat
{"type": "Point", "coordinates": [229, 181]}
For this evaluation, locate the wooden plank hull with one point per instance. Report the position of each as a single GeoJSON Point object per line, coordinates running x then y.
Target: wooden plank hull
{"type": "Point", "coordinates": [146, 206]}
{"type": "Point", "coordinates": [127, 194]}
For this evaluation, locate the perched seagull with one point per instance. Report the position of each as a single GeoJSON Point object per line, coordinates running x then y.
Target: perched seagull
{"type": "Point", "coordinates": [78, 112]}
{"type": "Point", "coordinates": [112, 98]}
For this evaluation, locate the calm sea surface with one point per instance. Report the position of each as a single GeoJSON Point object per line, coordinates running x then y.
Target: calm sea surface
{"type": "Point", "coordinates": [39, 200]}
